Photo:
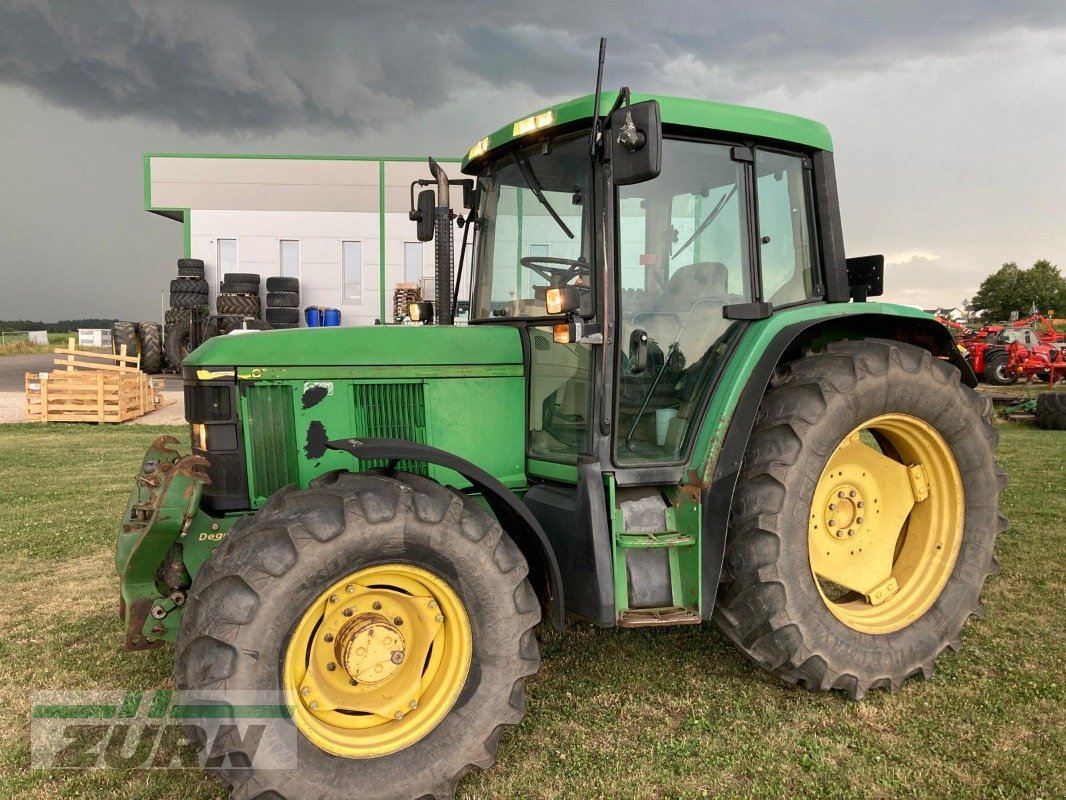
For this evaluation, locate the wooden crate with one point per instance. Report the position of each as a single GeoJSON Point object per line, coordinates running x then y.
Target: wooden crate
{"type": "Point", "coordinates": [91, 387]}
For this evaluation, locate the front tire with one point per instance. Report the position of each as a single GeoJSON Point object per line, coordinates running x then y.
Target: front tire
{"type": "Point", "coordinates": [258, 609]}
{"type": "Point", "coordinates": [864, 520]}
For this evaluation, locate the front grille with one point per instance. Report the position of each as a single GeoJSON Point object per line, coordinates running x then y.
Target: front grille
{"type": "Point", "coordinates": [391, 411]}
{"type": "Point", "coordinates": [272, 431]}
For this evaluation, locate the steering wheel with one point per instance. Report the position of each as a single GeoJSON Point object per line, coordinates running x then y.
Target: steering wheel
{"type": "Point", "coordinates": [545, 266]}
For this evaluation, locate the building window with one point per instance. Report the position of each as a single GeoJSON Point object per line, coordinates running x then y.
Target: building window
{"type": "Point", "coordinates": [412, 262]}
{"type": "Point", "coordinates": [227, 257]}
{"type": "Point", "coordinates": [537, 250]}
{"type": "Point", "coordinates": [352, 271]}
{"type": "Point", "coordinates": [289, 258]}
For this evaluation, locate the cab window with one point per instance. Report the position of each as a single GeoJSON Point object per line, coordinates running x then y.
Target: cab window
{"type": "Point", "coordinates": [786, 242]}
{"type": "Point", "coordinates": [683, 254]}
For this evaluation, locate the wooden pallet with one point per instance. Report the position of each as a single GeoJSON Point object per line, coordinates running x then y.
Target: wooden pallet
{"type": "Point", "coordinates": [92, 387]}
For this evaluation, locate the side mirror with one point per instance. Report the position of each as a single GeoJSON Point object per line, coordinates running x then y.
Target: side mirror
{"type": "Point", "coordinates": [426, 202]}
{"type": "Point", "coordinates": [635, 143]}
{"type": "Point", "coordinates": [638, 351]}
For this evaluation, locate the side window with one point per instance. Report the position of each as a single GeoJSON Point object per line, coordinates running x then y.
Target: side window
{"type": "Point", "coordinates": [786, 241]}
{"type": "Point", "coordinates": [559, 396]}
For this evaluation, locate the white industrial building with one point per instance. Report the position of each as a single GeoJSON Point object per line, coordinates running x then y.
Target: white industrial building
{"type": "Point", "coordinates": [340, 224]}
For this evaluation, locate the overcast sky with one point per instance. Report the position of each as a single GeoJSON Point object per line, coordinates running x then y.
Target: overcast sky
{"type": "Point", "coordinates": [949, 118]}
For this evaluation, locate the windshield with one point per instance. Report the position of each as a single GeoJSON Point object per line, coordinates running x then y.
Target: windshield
{"type": "Point", "coordinates": [534, 231]}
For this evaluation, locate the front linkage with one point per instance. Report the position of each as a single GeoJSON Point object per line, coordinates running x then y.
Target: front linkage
{"type": "Point", "coordinates": [163, 540]}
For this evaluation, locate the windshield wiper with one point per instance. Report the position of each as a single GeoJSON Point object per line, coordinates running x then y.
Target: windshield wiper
{"type": "Point", "coordinates": [534, 186]}
{"type": "Point", "coordinates": [710, 218]}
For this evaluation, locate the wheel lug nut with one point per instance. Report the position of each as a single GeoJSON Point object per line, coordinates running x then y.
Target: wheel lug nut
{"type": "Point", "coordinates": [331, 666]}
{"type": "Point", "coordinates": [397, 657]}
{"type": "Point", "coordinates": [439, 618]}
{"type": "Point", "coordinates": [859, 504]}
{"type": "Point", "coordinates": [377, 606]}
{"type": "Point", "coordinates": [832, 523]}
{"type": "Point", "coordinates": [399, 715]}
{"type": "Point", "coordinates": [859, 521]}
{"type": "Point", "coordinates": [432, 603]}
{"type": "Point", "coordinates": [305, 691]}
{"type": "Point", "coordinates": [851, 532]}
{"type": "Point", "coordinates": [347, 612]}
{"type": "Point", "coordinates": [328, 637]}
{"type": "Point", "coordinates": [398, 621]}
{"type": "Point", "coordinates": [353, 682]}
{"type": "Point", "coordinates": [852, 493]}
{"type": "Point", "coordinates": [840, 494]}
{"type": "Point", "coordinates": [333, 598]}
{"type": "Point", "coordinates": [314, 705]}
{"type": "Point", "coordinates": [832, 506]}
{"type": "Point", "coordinates": [349, 588]}
{"type": "Point", "coordinates": [414, 704]}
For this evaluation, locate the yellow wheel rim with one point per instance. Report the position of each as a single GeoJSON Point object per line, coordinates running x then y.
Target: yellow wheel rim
{"type": "Point", "coordinates": [886, 523]}
{"type": "Point", "coordinates": [377, 661]}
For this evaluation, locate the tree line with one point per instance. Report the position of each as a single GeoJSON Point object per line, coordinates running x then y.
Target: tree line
{"type": "Point", "coordinates": [1013, 288]}
{"type": "Point", "coordinates": [62, 326]}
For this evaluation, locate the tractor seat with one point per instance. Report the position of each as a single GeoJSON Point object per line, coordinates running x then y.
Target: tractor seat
{"type": "Point", "coordinates": [702, 280]}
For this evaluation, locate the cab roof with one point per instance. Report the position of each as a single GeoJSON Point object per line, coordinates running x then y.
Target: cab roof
{"type": "Point", "coordinates": [705, 114]}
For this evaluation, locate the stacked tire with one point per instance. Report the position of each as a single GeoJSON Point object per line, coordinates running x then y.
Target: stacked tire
{"type": "Point", "coordinates": [283, 302]}
{"type": "Point", "coordinates": [238, 295]}
{"type": "Point", "coordinates": [140, 339]}
{"type": "Point", "coordinates": [188, 308]}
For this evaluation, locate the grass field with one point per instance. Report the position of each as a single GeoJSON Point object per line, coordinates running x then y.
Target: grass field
{"type": "Point", "coordinates": [659, 714]}
{"type": "Point", "coordinates": [23, 347]}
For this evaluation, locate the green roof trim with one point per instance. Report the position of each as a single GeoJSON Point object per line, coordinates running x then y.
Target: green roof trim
{"type": "Point", "coordinates": [705, 114]}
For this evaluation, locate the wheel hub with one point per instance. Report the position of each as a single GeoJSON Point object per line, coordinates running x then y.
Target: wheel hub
{"type": "Point", "coordinates": [370, 648]}
{"type": "Point", "coordinates": [843, 511]}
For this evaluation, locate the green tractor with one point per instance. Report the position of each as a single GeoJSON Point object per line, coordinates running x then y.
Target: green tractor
{"type": "Point", "coordinates": [672, 402]}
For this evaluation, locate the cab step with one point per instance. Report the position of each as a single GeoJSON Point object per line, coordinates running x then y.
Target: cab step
{"type": "Point", "coordinates": [655, 539]}
{"type": "Point", "coordinates": [652, 617]}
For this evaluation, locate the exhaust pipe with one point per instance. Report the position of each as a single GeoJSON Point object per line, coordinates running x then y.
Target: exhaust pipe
{"type": "Point", "coordinates": [443, 269]}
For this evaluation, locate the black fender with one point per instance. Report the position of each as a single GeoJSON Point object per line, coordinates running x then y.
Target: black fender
{"type": "Point", "coordinates": [791, 342]}
{"type": "Point", "coordinates": [509, 510]}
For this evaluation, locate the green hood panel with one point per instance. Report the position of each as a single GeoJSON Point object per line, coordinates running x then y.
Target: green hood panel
{"type": "Point", "coordinates": [379, 345]}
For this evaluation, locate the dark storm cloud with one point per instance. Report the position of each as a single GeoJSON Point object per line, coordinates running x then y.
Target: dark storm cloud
{"type": "Point", "coordinates": [254, 67]}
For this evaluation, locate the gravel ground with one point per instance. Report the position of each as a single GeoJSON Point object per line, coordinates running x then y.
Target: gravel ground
{"type": "Point", "coordinates": [13, 406]}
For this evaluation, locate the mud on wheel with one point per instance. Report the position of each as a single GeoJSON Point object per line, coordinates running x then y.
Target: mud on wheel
{"type": "Point", "coordinates": [863, 525]}
{"type": "Point", "coordinates": [393, 613]}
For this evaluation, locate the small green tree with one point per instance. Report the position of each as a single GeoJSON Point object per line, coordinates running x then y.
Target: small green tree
{"type": "Point", "coordinates": [1011, 288]}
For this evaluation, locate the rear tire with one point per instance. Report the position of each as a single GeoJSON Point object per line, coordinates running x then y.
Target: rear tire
{"type": "Point", "coordinates": [1051, 411]}
{"type": "Point", "coordinates": [178, 342]}
{"type": "Point", "coordinates": [282, 283]}
{"type": "Point", "coordinates": [151, 347]}
{"type": "Point", "coordinates": [289, 315]}
{"type": "Point", "coordinates": [237, 287]}
{"type": "Point", "coordinates": [771, 604]}
{"type": "Point", "coordinates": [249, 610]}
{"type": "Point", "coordinates": [238, 304]}
{"type": "Point", "coordinates": [283, 300]}
{"type": "Point", "coordinates": [125, 333]}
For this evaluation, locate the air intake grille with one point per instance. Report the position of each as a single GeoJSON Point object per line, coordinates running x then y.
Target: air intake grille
{"type": "Point", "coordinates": [391, 411]}
{"type": "Point", "coordinates": [271, 429]}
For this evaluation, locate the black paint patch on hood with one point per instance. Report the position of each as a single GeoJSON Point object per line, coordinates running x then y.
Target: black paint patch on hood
{"type": "Point", "coordinates": [317, 439]}
{"type": "Point", "coordinates": [314, 395]}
